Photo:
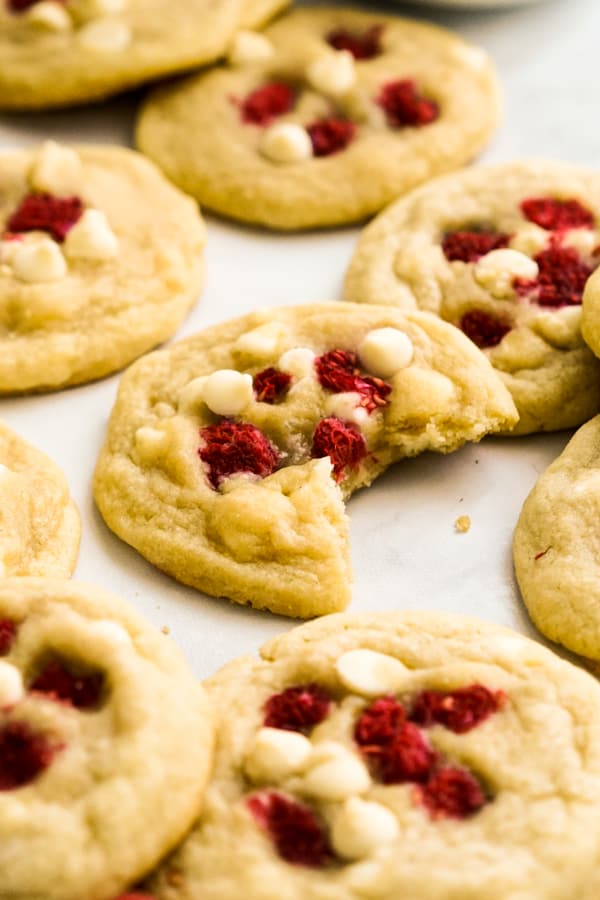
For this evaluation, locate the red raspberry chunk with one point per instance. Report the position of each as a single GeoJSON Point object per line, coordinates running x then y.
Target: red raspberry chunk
{"type": "Point", "coordinates": [43, 212]}
{"type": "Point", "coordinates": [338, 372]}
{"type": "Point", "coordinates": [483, 328]}
{"type": "Point", "coordinates": [452, 793]}
{"type": "Point", "coordinates": [404, 106]}
{"type": "Point", "coordinates": [379, 722]}
{"type": "Point", "coordinates": [297, 833]}
{"type": "Point", "coordinates": [267, 102]}
{"type": "Point", "coordinates": [557, 215]}
{"type": "Point", "coordinates": [58, 683]}
{"type": "Point", "coordinates": [297, 708]}
{"type": "Point", "coordinates": [17, 6]}
{"type": "Point", "coordinates": [8, 633]}
{"type": "Point", "coordinates": [396, 749]}
{"type": "Point", "coordinates": [24, 755]}
{"type": "Point", "coordinates": [331, 135]}
{"type": "Point", "coordinates": [271, 385]}
{"type": "Point", "coordinates": [231, 447]}
{"type": "Point", "coordinates": [342, 442]}
{"type": "Point", "coordinates": [361, 44]}
{"type": "Point", "coordinates": [469, 246]}
{"type": "Point", "coordinates": [561, 279]}
{"type": "Point", "coordinates": [459, 710]}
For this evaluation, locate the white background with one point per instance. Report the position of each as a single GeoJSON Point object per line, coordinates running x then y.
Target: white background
{"type": "Point", "coordinates": [406, 554]}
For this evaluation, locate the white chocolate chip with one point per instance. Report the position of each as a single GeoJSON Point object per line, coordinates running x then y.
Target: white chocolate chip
{"type": "Point", "coordinates": [227, 392]}
{"type": "Point", "coordinates": [362, 827]}
{"type": "Point", "coordinates": [110, 631]}
{"type": "Point", "coordinates": [91, 238]}
{"type": "Point", "coordinates": [497, 270]}
{"type": "Point", "coordinates": [105, 36]}
{"type": "Point", "coordinates": [39, 261]}
{"type": "Point", "coordinates": [346, 406]}
{"type": "Point", "coordinates": [11, 685]}
{"type": "Point", "coordinates": [332, 73]}
{"type": "Point", "coordinates": [530, 239]}
{"type": "Point", "coordinates": [262, 341]}
{"type": "Point", "coordinates": [56, 169]}
{"type": "Point", "coordinates": [249, 47]}
{"type": "Point", "coordinates": [276, 753]}
{"type": "Point", "coordinates": [286, 142]}
{"type": "Point", "coordinates": [341, 774]}
{"type": "Point", "coordinates": [150, 442]}
{"type": "Point", "coordinates": [584, 240]}
{"type": "Point", "coordinates": [49, 14]}
{"type": "Point", "coordinates": [384, 351]}
{"type": "Point", "coordinates": [370, 673]}
{"type": "Point", "coordinates": [471, 55]}
{"type": "Point", "coordinates": [299, 361]}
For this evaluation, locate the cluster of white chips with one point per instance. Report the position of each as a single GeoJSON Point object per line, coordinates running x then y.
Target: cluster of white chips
{"type": "Point", "coordinates": [35, 257]}
{"type": "Point", "coordinates": [330, 771]}
{"type": "Point", "coordinates": [99, 32]}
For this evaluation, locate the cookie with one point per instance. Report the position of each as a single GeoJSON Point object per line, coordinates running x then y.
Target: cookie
{"type": "Point", "coordinates": [228, 454]}
{"type": "Point", "coordinates": [555, 546]}
{"type": "Point", "coordinates": [100, 259]}
{"type": "Point", "coordinates": [503, 252]}
{"type": "Point", "coordinates": [590, 313]}
{"type": "Point", "coordinates": [398, 755]}
{"type": "Point", "coordinates": [39, 522]}
{"type": "Point", "coordinates": [63, 53]}
{"type": "Point", "coordinates": [258, 12]}
{"type": "Point", "coordinates": [324, 122]}
{"type": "Point", "coordinates": [105, 742]}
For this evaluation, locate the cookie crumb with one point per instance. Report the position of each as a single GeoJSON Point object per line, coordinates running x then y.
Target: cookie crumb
{"type": "Point", "coordinates": [165, 629]}
{"type": "Point", "coordinates": [462, 524]}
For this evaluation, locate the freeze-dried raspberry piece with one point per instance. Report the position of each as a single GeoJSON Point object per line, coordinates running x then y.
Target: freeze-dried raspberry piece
{"type": "Point", "coordinates": [379, 722]}
{"type": "Point", "coordinates": [361, 44]}
{"type": "Point", "coordinates": [24, 754]}
{"type": "Point", "coordinates": [342, 442]}
{"type": "Point", "coordinates": [267, 102]}
{"type": "Point", "coordinates": [459, 710]}
{"type": "Point", "coordinates": [297, 708]}
{"type": "Point", "coordinates": [338, 372]}
{"type": "Point", "coordinates": [404, 106]}
{"type": "Point", "coordinates": [43, 212]}
{"type": "Point", "coordinates": [233, 447]}
{"type": "Point", "coordinates": [405, 756]}
{"type": "Point", "coordinates": [453, 793]}
{"type": "Point", "coordinates": [298, 835]}
{"type": "Point", "coordinates": [271, 385]}
{"type": "Point", "coordinates": [561, 278]}
{"type": "Point", "coordinates": [8, 632]}
{"type": "Point", "coordinates": [17, 6]}
{"type": "Point", "coordinates": [469, 246]}
{"type": "Point", "coordinates": [331, 135]}
{"type": "Point", "coordinates": [58, 683]}
{"type": "Point", "coordinates": [557, 215]}
{"type": "Point", "coordinates": [483, 328]}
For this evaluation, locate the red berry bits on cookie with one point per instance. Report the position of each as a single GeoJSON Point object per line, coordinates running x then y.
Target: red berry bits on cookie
{"type": "Point", "coordinates": [43, 212]}
{"type": "Point", "coordinates": [484, 328]}
{"type": "Point", "coordinates": [271, 385]}
{"type": "Point", "coordinates": [331, 135]}
{"type": "Point", "coordinates": [404, 106]}
{"type": "Point", "coordinates": [395, 748]}
{"type": "Point", "coordinates": [231, 448]}
{"type": "Point", "coordinates": [561, 279]}
{"type": "Point", "coordinates": [361, 44]}
{"type": "Point", "coordinates": [8, 632]}
{"type": "Point", "coordinates": [459, 710]}
{"type": "Point", "coordinates": [557, 215]}
{"type": "Point", "coordinates": [24, 755]}
{"type": "Point", "coordinates": [268, 102]}
{"type": "Point", "coordinates": [338, 372]}
{"type": "Point", "coordinates": [452, 792]}
{"type": "Point", "coordinates": [297, 708]}
{"type": "Point", "coordinates": [469, 246]}
{"type": "Point", "coordinates": [58, 683]}
{"type": "Point", "coordinates": [342, 442]}
{"type": "Point", "coordinates": [297, 833]}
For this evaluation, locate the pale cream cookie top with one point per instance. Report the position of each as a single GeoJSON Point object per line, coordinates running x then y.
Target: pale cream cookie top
{"type": "Point", "coordinates": [105, 742]}
{"type": "Point", "coordinates": [39, 522]}
{"type": "Point", "coordinates": [63, 52]}
{"type": "Point", "coordinates": [504, 252]}
{"type": "Point", "coordinates": [556, 545]}
{"type": "Point", "coordinates": [590, 313]}
{"type": "Point", "coordinates": [330, 118]}
{"type": "Point", "coordinates": [100, 259]}
{"type": "Point", "coordinates": [228, 454]}
{"type": "Point", "coordinates": [392, 755]}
